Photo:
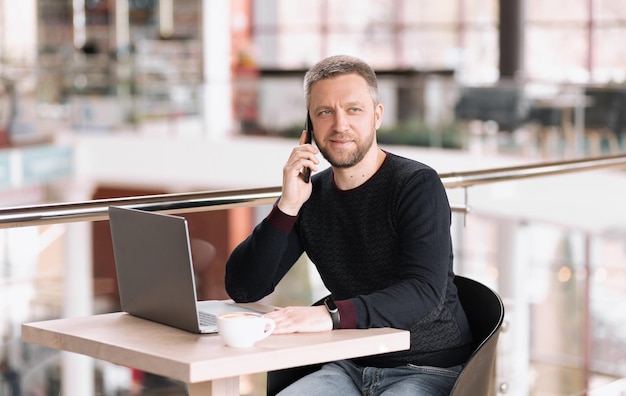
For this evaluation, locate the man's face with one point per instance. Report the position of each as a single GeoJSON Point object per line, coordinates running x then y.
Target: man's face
{"type": "Point", "coordinates": [344, 118]}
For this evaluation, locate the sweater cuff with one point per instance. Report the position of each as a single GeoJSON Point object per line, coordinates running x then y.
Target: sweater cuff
{"type": "Point", "coordinates": [281, 220]}
{"type": "Point", "coordinates": [347, 314]}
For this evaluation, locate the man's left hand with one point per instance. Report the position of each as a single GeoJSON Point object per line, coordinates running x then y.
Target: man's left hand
{"type": "Point", "coordinates": [301, 319]}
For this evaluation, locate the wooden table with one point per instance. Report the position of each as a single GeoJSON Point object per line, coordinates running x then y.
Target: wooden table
{"type": "Point", "coordinates": [202, 361]}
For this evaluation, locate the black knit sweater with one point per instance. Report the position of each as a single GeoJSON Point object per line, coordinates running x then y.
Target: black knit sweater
{"type": "Point", "coordinates": [384, 252]}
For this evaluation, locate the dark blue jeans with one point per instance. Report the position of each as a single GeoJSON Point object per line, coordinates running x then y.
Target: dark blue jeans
{"type": "Point", "coordinates": [346, 379]}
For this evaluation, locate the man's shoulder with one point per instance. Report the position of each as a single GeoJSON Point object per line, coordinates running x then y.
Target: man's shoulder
{"type": "Point", "coordinates": [406, 164]}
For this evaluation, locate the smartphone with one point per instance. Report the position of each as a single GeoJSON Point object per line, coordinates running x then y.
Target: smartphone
{"type": "Point", "coordinates": [308, 126]}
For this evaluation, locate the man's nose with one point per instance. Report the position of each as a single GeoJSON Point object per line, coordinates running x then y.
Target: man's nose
{"type": "Point", "coordinates": [340, 121]}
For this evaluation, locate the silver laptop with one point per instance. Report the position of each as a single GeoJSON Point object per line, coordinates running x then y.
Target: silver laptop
{"type": "Point", "coordinates": [155, 271]}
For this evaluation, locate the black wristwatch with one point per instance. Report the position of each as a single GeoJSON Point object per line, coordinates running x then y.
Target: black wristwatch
{"type": "Point", "coordinates": [333, 311]}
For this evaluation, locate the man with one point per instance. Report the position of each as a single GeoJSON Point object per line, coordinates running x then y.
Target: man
{"type": "Point", "coordinates": [377, 227]}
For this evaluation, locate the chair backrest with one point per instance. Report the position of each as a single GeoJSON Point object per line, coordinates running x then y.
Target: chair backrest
{"type": "Point", "coordinates": [602, 113]}
{"type": "Point", "coordinates": [485, 313]}
{"type": "Point", "coordinates": [503, 103]}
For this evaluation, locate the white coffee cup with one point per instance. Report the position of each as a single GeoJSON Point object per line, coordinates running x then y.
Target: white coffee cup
{"type": "Point", "coordinates": [243, 329]}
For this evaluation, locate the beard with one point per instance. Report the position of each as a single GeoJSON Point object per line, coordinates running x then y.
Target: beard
{"type": "Point", "coordinates": [347, 159]}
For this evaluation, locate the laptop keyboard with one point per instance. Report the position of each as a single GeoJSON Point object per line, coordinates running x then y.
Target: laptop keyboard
{"type": "Point", "coordinates": [207, 319]}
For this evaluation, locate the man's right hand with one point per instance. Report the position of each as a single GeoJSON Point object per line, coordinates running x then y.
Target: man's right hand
{"type": "Point", "coordinates": [295, 190]}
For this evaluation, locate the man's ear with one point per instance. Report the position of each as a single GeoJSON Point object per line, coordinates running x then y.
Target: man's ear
{"type": "Point", "coordinates": [378, 115]}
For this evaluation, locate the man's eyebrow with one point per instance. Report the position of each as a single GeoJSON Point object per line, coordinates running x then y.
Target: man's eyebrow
{"type": "Point", "coordinates": [353, 103]}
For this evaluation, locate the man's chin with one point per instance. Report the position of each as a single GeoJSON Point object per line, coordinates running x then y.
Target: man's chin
{"type": "Point", "coordinates": [344, 162]}
{"type": "Point", "coordinates": [342, 159]}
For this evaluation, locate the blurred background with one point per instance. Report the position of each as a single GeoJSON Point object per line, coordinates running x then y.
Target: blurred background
{"type": "Point", "coordinates": [111, 98]}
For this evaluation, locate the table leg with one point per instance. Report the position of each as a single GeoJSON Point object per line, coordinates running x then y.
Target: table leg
{"type": "Point", "coordinates": [220, 387]}
{"type": "Point", "coordinates": [569, 131]}
{"type": "Point", "coordinates": [579, 125]}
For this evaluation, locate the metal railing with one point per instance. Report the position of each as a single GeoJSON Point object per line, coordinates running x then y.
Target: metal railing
{"type": "Point", "coordinates": [96, 210]}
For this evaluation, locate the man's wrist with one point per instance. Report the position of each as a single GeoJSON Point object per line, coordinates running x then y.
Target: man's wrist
{"type": "Point", "coordinates": [289, 210]}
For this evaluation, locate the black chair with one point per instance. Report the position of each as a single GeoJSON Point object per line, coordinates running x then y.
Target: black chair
{"type": "Point", "coordinates": [504, 103]}
{"type": "Point", "coordinates": [485, 313]}
{"type": "Point", "coordinates": [603, 119]}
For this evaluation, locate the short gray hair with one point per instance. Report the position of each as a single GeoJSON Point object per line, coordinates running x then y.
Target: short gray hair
{"type": "Point", "coordinates": [339, 65]}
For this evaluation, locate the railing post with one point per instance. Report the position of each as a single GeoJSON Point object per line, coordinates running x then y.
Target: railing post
{"type": "Point", "coordinates": [513, 264]}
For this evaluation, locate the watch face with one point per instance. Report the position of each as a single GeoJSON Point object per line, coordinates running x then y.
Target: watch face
{"type": "Point", "coordinates": [330, 304]}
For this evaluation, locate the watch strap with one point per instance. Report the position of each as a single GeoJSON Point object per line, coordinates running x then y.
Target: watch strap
{"type": "Point", "coordinates": [333, 311]}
